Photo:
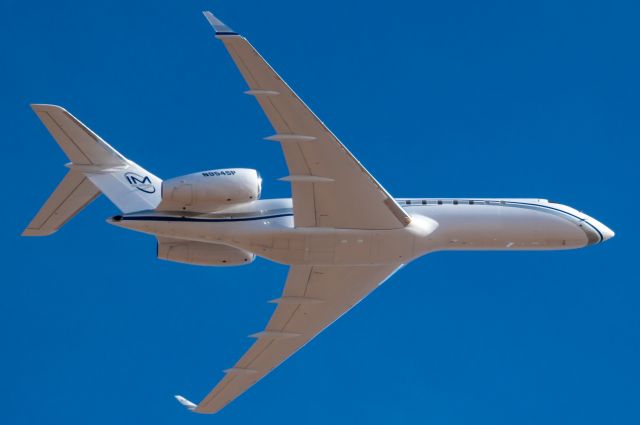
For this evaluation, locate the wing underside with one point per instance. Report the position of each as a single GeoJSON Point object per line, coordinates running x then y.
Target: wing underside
{"type": "Point", "coordinates": [330, 188]}
{"type": "Point", "coordinates": [313, 298]}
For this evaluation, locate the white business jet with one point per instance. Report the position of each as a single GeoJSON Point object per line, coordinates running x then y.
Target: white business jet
{"type": "Point", "coordinates": [341, 233]}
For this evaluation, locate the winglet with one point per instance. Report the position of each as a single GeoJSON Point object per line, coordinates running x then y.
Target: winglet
{"type": "Point", "coordinates": [220, 27]}
{"type": "Point", "coordinates": [186, 403]}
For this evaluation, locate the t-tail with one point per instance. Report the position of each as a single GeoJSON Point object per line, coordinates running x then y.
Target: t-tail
{"type": "Point", "coordinates": [95, 168]}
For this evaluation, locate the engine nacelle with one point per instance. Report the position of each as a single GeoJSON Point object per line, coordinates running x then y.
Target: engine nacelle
{"type": "Point", "coordinates": [203, 254]}
{"type": "Point", "coordinates": [211, 190]}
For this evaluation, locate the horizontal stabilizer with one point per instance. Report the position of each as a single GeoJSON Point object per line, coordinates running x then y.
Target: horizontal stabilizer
{"type": "Point", "coordinates": [73, 193]}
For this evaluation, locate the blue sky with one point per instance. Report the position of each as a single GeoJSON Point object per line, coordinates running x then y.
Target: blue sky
{"type": "Point", "coordinates": [460, 98]}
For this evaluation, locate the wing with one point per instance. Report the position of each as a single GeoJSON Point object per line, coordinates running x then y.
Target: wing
{"type": "Point", "coordinates": [330, 188]}
{"type": "Point", "coordinates": [313, 298]}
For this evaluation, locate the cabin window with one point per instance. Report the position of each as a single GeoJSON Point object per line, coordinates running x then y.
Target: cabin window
{"type": "Point", "coordinates": [439, 202]}
{"type": "Point", "coordinates": [408, 202]}
{"type": "Point", "coordinates": [471, 202]}
{"type": "Point", "coordinates": [455, 202]}
{"type": "Point", "coordinates": [424, 202]}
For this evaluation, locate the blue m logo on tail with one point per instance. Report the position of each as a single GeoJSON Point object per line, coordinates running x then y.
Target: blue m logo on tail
{"type": "Point", "coordinates": [141, 183]}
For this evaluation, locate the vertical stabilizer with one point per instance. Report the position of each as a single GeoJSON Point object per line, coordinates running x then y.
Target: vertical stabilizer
{"type": "Point", "coordinates": [95, 167]}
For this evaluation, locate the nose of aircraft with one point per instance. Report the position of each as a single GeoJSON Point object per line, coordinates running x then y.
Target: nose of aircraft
{"type": "Point", "coordinates": [606, 232]}
{"type": "Point", "coordinates": [603, 231]}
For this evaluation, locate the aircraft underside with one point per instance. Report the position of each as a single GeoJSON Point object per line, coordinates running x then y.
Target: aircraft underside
{"type": "Point", "coordinates": [341, 233]}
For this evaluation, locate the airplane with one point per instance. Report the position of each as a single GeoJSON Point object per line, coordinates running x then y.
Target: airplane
{"type": "Point", "coordinates": [341, 233]}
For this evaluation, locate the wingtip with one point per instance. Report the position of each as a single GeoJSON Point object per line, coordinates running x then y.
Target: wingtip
{"type": "Point", "coordinates": [186, 403]}
{"type": "Point", "coordinates": [219, 27]}
{"type": "Point", "coordinates": [41, 106]}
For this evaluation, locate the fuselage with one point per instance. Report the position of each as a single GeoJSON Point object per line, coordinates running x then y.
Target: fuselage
{"type": "Point", "coordinates": [266, 228]}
